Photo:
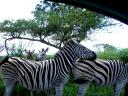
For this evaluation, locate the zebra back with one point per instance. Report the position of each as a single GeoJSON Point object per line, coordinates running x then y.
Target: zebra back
{"type": "Point", "coordinates": [101, 72]}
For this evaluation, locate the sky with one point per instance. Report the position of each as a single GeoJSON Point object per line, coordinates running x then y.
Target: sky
{"type": "Point", "coordinates": [19, 9]}
{"type": "Point", "coordinates": [116, 36]}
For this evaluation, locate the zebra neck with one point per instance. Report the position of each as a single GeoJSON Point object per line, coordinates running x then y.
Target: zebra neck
{"type": "Point", "coordinates": [65, 59]}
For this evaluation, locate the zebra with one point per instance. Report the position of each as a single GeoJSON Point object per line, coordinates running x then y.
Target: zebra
{"type": "Point", "coordinates": [41, 55]}
{"type": "Point", "coordinates": [29, 54]}
{"type": "Point", "coordinates": [100, 72]}
{"type": "Point", "coordinates": [52, 73]}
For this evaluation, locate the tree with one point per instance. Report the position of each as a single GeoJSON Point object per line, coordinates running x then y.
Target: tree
{"type": "Point", "coordinates": [1, 48]}
{"type": "Point", "coordinates": [105, 47]}
{"type": "Point", "coordinates": [108, 52]}
{"type": "Point", "coordinates": [54, 24]}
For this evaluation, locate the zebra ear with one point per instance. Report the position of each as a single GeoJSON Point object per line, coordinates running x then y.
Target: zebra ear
{"type": "Point", "coordinates": [25, 50]}
{"type": "Point", "coordinates": [42, 49]}
{"type": "Point", "coordinates": [33, 51]}
{"type": "Point", "coordinates": [46, 49]}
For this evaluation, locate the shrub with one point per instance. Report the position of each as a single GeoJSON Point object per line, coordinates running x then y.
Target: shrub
{"type": "Point", "coordinates": [123, 55]}
{"type": "Point", "coordinates": [108, 55]}
{"type": "Point", "coordinates": [17, 51]}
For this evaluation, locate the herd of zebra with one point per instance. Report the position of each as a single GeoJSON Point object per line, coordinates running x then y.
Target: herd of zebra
{"type": "Point", "coordinates": [54, 73]}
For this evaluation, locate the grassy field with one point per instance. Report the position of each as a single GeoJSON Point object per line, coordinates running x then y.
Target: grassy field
{"type": "Point", "coordinates": [69, 90]}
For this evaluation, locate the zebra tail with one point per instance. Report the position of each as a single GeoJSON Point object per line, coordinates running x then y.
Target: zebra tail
{"type": "Point", "coordinates": [4, 60]}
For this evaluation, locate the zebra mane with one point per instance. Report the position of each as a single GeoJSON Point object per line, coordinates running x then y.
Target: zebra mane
{"type": "Point", "coordinates": [64, 47]}
{"type": "Point", "coordinates": [59, 52]}
{"type": "Point", "coordinates": [4, 60]}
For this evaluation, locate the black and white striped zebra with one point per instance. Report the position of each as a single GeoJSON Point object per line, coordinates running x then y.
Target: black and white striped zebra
{"type": "Point", "coordinates": [100, 72]}
{"type": "Point", "coordinates": [29, 54]}
{"type": "Point", "coordinates": [53, 73]}
{"type": "Point", "coordinates": [42, 54]}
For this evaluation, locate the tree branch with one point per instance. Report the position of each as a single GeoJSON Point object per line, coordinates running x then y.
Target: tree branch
{"type": "Point", "coordinates": [1, 48]}
{"type": "Point", "coordinates": [31, 39]}
{"type": "Point", "coordinates": [6, 44]}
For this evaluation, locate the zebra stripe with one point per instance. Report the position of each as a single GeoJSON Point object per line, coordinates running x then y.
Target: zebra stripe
{"type": "Point", "coordinates": [43, 75]}
{"type": "Point", "coordinates": [100, 72]}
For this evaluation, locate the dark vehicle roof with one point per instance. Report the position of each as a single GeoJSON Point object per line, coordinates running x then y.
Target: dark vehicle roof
{"type": "Point", "coordinates": [117, 9]}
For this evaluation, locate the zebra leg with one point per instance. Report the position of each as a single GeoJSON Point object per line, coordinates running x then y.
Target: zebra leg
{"type": "Point", "coordinates": [60, 85]}
{"type": "Point", "coordinates": [9, 87]}
{"type": "Point", "coordinates": [82, 89]}
{"type": "Point", "coordinates": [59, 90]}
{"type": "Point", "coordinates": [31, 93]}
{"type": "Point", "coordinates": [117, 88]}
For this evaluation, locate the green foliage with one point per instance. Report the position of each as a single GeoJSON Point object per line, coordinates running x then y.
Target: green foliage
{"type": "Point", "coordinates": [2, 87]}
{"type": "Point", "coordinates": [70, 90]}
{"type": "Point", "coordinates": [65, 22]}
{"type": "Point", "coordinates": [1, 58]}
{"type": "Point", "coordinates": [123, 55]}
{"type": "Point", "coordinates": [56, 22]}
{"type": "Point", "coordinates": [49, 56]}
{"type": "Point", "coordinates": [111, 53]}
{"type": "Point", "coordinates": [17, 51]}
{"type": "Point", "coordinates": [108, 55]}
{"type": "Point", "coordinates": [105, 47]}
{"type": "Point", "coordinates": [14, 28]}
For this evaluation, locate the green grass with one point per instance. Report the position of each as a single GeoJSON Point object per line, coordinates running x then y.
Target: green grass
{"type": "Point", "coordinates": [72, 89]}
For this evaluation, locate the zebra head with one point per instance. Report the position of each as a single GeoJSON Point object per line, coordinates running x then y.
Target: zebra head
{"type": "Point", "coordinates": [29, 53]}
{"type": "Point", "coordinates": [41, 55]}
{"type": "Point", "coordinates": [82, 52]}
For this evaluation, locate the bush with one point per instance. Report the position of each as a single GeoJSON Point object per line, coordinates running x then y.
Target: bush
{"type": "Point", "coordinates": [17, 51]}
{"type": "Point", "coordinates": [108, 55]}
{"type": "Point", "coordinates": [49, 56]}
{"type": "Point", "coordinates": [123, 55]}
